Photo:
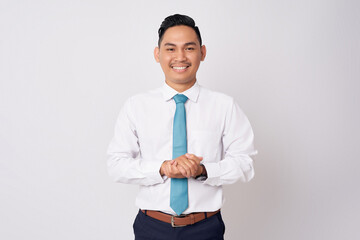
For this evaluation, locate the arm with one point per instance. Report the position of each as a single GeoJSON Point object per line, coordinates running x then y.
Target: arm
{"type": "Point", "coordinates": [238, 146]}
{"type": "Point", "coordinates": [125, 163]}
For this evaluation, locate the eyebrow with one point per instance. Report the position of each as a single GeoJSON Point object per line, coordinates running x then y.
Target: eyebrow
{"type": "Point", "coordinates": [190, 43]}
{"type": "Point", "coordinates": [174, 45]}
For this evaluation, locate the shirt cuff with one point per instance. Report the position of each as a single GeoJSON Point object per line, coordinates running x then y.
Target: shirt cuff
{"type": "Point", "coordinates": [213, 173]}
{"type": "Point", "coordinates": [152, 171]}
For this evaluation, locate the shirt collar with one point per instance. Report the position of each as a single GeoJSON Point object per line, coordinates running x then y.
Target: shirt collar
{"type": "Point", "coordinates": [192, 93]}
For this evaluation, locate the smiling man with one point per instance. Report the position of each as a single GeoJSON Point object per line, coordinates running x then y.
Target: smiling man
{"type": "Point", "coordinates": [180, 143]}
{"type": "Point", "coordinates": [179, 53]}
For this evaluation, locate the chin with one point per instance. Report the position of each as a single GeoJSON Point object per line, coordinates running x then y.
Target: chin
{"type": "Point", "coordinates": [182, 81]}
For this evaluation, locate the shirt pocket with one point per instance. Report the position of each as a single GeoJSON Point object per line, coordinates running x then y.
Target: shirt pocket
{"type": "Point", "coordinates": [206, 144]}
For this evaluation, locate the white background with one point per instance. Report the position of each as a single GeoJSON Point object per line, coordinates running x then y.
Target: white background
{"type": "Point", "coordinates": [66, 68]}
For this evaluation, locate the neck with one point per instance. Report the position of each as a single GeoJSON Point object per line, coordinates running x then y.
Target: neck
{"type": "Point", "coordinates": [181, 87]}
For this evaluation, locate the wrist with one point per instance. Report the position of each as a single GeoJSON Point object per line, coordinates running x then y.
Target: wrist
{"type": "Point", "coordinates": [161, 170]}
{"type": "Point", "coordinates": [202, 171]}
{"type": "Point", "coordinates": [203, 174]}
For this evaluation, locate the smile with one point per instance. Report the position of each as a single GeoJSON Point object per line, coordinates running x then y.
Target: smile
{"type": "Point", "coordinates": [179, 68]}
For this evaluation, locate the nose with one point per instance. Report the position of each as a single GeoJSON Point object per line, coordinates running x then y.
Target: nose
{"type": "Point", "coordinates": [180, 55]}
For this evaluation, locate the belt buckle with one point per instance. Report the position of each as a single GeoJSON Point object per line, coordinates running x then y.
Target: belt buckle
{"type": "Point", "coordinates": [173, 221]}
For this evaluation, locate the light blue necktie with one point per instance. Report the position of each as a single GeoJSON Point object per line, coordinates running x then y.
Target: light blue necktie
{"type": "Point", "coordinates": [179, 186]}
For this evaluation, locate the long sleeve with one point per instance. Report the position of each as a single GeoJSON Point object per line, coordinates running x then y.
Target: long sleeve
{"type": "Point", "coordinates": [238, 146]}
{"type": "Point", "coordinates": [125, 163]}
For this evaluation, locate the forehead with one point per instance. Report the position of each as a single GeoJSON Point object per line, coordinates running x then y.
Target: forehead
{"type": "Point", "coordinates": [179, 35]}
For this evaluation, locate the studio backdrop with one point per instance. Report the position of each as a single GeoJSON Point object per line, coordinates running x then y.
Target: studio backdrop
{"type": "Point", "coordinates": [66, 68]}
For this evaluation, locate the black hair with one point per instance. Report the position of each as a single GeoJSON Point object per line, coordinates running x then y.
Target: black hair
{"type": "Point", "coordinates": [176, 20]}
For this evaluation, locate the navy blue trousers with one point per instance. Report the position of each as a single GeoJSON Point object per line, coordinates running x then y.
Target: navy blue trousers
{"type": "Point", "coordinates": [148, 228]}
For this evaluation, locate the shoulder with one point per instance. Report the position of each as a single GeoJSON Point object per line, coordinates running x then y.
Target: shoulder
{"type": "Point", "coordinates": [144, 97]}
{"type": "Point", "coordinates": [215, 96]}
{"type": "Point", "coordinates": [137, 104]}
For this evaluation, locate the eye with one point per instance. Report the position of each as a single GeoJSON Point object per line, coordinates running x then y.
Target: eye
{"type": "Point", "coordinates": [190, 49]}
{"type": "Point", "coordinates": [170, 49]}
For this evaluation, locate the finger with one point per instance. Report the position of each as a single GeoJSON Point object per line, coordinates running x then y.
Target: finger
{"type": "Point", "coordinates": [172, 170]}
{"type": "Point", "coordinates": [167, 170]}
{"type": "Point", "coordinates": [190, 156]}
{"type": "Point", "coordinates": [192, 166]}
{"type": "Point", "coordinates": [186, 163]}
{"type": "Point", "coordinates": [182, 170]}
{"type": "Point", "coordinates": [195, 167]}
{"type": "Point", "coordinates": [182, 160]}
{"type": "Point", "coordinates": [187, 166]}
{"type": "Point", "coordinates": [194, 157]}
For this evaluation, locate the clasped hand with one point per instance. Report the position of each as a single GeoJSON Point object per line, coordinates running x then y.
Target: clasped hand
{"type": "Point", "coordinates": [185, 166]}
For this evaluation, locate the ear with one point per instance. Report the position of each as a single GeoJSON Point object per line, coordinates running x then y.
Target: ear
{"type": "Point", "coordinates": [203, 52]}
{"type": "Point", "coordinates": [157, 54]}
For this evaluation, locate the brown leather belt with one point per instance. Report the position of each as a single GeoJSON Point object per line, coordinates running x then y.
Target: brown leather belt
{"type": "Point", "coordinates": [179, 221]}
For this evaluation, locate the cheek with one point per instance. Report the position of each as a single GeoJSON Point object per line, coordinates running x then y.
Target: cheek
{"type": "Point", "coordinates": [164, 62]}
{"type": "Point", "coordinates": [196, 62]}
{"type": "Point", "coordinates": [195, 59]}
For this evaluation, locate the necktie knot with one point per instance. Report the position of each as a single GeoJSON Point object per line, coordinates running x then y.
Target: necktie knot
{"type": "Point", "coordinates": [180, 98]}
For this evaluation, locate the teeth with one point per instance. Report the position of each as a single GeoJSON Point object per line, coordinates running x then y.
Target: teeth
{"type": "Point", "coordinates": [179, 68]}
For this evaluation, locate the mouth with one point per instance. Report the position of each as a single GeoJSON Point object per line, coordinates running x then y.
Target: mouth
{"type": "Point", "coordinates": [180, 68]}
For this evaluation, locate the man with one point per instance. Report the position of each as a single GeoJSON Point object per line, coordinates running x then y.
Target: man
{"type": "Point", "coordinates": [180, 144]}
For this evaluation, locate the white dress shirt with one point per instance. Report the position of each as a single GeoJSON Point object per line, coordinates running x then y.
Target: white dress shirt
{"type": "Point", "coordinates": [217, 130]}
